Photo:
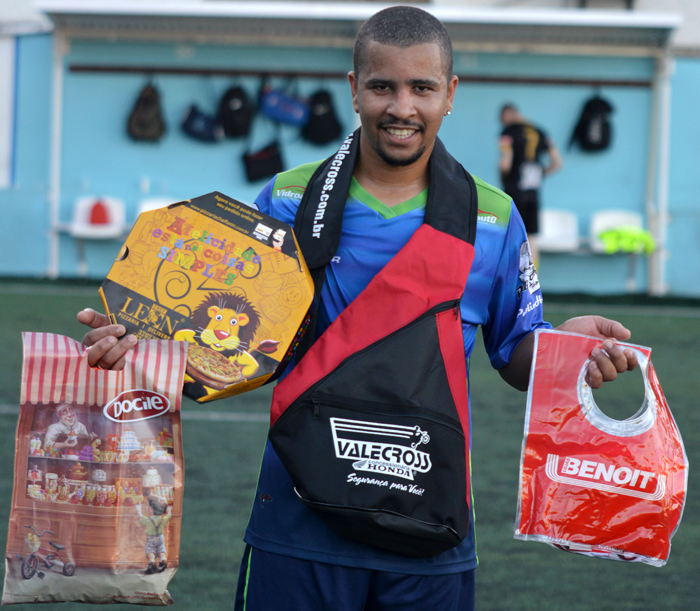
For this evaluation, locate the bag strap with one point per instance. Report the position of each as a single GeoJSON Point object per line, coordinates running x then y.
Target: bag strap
{"type": "Point", "coordinates": [451, 208]}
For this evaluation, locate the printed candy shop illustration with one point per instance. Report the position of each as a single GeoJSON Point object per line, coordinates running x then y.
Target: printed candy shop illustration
{"type": "Point", "coordinates": [90, 477]}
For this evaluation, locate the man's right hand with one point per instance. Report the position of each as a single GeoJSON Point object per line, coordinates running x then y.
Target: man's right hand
{"type": "Point", "coordinates": [106, 349]}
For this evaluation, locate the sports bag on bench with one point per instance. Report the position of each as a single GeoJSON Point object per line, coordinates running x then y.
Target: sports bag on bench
{"type": "Point", "coordinates": [374, 433]}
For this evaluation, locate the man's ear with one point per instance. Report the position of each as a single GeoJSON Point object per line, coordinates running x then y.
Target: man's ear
{"type": "Point", "coordinates": [451, 90]}
{"type": "Point", "coordinates": [353, 90]}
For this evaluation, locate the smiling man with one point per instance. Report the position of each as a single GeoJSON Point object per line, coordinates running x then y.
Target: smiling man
{"type": "Point", "coordinates": [394, 168]}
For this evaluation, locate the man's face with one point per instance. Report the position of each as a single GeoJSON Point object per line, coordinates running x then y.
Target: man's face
{"type": "Point", "coordinates": [67, 416]}
{"type": "Point", "coordinates": [402, 95]}
{"type": "Point", "coordinates": [508, 116]}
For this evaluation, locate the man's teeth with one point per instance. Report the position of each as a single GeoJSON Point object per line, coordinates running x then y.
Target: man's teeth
{"type": "Point", "coordinates": [400, 133]}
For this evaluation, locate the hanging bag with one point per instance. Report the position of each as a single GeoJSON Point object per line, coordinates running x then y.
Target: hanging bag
{"type": "Point", "coordinates": [323, 125]}
{"type": "Point", "coordinates": [263, 163]}
{"type": "Point", "coordinates": [593, 131]}
{"type": "Point", "coordinates": [202, 126]}
{"type": "Point", "coordinates": [590, 484]}
{"type": "Point", "coordinates": [236, 112]}
{"type": "Point", "coordinates": [374, 433]}
{"type": "Point", "coordinates": [145, 121]}
{"type": "Point", "coordinates": [97, 499]}
{"type": "Point", "coordinates": [284, 105]}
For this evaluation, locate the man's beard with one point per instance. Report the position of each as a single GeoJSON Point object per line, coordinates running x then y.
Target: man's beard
{"type": "Point", "coordinates": [396, 162]}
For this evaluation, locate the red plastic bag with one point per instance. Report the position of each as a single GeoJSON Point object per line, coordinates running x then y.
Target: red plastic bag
{"type": "Point", "coordinates": [590, 484]}
{"type": "Point", "coordinates": [97, 500]}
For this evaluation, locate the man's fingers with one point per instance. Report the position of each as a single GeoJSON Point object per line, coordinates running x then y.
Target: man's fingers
{"type": "Point", "coordinates": [92, 319]}
{"type": "Point", "coordinates": [108, 353]}
{"type": "Point", "coordinates": [606, 327]}
{"type": "Point", "coordinates": [608, 361]}
{"type": "Point", "coordinates": [101, 333]}
{"type": "Point", "coordinates": [594, 377]}
{"type": "Point", "coordinates": [632, 360]}
{"type": "Point", "coordinates": [606, 367]}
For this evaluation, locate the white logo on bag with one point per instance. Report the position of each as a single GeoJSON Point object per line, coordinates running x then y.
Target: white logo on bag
{"type": "Point", "coordinates": [349, 440]}
{"type": "Point", "coordinates": [589, 473]}
{"type": "Point", "coordinates": [136, 404]}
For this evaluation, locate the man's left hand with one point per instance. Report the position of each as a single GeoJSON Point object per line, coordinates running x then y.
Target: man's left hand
{"type": "Point", "coordinates": [606, 363]}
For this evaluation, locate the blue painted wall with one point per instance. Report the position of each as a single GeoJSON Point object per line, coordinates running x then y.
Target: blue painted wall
{"type": "Point", "coordinates": [24, 206]}
{"type": "Point", "coordinates": [99, 158]}
{"type": "Point", "coordinates": [684, 184]}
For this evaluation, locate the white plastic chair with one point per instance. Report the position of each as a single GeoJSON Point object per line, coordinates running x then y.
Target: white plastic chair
{"type": "Point", "coordinates": [611, 219]}
{"type": "Point", "coordinates": [153, 203]}
{"type": "Point", "coordinates": [558, 231]}
{"type": "Point", "coordinates": [98, 218]}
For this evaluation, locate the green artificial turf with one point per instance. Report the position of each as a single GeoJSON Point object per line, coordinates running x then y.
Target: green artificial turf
{"type": "Point", "coordinates": [222, 461]}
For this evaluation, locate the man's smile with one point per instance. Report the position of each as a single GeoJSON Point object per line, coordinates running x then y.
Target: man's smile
{"type": "Point", "coordinates": [401, 133]}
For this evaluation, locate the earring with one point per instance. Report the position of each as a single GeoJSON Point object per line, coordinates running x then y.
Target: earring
{"type": "Point", "coordinates": [447, 112]}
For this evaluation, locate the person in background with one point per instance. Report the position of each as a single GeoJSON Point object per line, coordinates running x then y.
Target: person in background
{"type": "Point", "coordinates": [523, 147]}
{"type": "Point", "coordinates": [402, 87]}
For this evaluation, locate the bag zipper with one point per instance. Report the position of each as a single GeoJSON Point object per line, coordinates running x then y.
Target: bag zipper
{"type": "Point", "coordinates": [372, 407]}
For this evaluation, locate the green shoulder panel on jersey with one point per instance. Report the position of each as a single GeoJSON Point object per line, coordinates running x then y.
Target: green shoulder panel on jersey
{"type": "Point", "coordinates": [293, 182]}
{"type": "Point", "coordinates": [494, 204]}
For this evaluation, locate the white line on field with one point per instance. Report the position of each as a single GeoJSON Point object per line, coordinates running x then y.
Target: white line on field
{"type": "Point", "coordinates": [201, 416]}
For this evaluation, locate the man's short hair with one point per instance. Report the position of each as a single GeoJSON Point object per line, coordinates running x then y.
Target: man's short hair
{"type": "Point", "coordinates": [508, 107]}
{"type": "Point", "coordinates": [403, 26]}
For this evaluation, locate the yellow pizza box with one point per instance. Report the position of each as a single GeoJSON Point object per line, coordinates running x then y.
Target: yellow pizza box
{"type": "Point", "coordinates": [222, 276]}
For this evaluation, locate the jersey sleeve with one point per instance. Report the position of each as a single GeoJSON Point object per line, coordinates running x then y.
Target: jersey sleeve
{"type": "Point", "coordinates": [264, 199]}
{"type": "Point", "coordinates": [515, 303]}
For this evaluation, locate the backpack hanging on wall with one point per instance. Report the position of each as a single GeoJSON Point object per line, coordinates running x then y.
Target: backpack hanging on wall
{"type": "Point", "coordinates": [323, 126]}
{"type": "Point", "coordinates": [283, 105]}
{"type": "Point", "coordinates": [593, 132]}
{"type": "Point", "coordinates": [146, 118]}
{"type": "Point", "coordinates": [236, 112]}
{"type": "Point", "coordinates": [202, 126]}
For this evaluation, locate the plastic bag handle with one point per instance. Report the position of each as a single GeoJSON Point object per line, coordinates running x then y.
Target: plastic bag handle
{"type": "Point", "coordinates": [639, 423]}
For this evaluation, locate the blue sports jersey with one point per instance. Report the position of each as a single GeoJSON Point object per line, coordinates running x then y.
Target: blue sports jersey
{"type": "Point", "coordinates": [502, 295]}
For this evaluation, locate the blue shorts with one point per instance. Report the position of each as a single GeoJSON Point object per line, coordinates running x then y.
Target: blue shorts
{"type": "Point", "coordinates": [272, 581]}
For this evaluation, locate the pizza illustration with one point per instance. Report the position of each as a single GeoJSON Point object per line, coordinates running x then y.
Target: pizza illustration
{"type": "Point", "coordinates": [211, 368]}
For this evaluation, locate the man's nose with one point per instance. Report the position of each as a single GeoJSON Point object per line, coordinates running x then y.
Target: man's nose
{"type": "Point", "coordinates": [402, 104]}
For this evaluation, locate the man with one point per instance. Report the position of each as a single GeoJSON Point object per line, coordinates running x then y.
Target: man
{"type": "Point", "coordinates": [523, 147]}
{"type": "Point", "coordinates": [67, 427]}
{"type": "Point", "coordinates": [402, 86]}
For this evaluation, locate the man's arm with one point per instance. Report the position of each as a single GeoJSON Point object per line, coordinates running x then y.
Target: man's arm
{"type": "Point", "coordinates": [555, 161]}
{"type": "Point", "coordinates": [505, 162]}
{"type": "Point", "coordinates": [604, 366]}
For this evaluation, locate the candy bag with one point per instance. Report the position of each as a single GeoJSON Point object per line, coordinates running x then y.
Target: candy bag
{"type": "Point", "coordinates": [97, 500]}
{"type": "Point", "coordinates": [589, 484]}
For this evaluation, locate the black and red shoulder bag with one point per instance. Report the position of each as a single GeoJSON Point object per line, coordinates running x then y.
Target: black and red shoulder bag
{"type": "Point", "coordinates": [373, 422]}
